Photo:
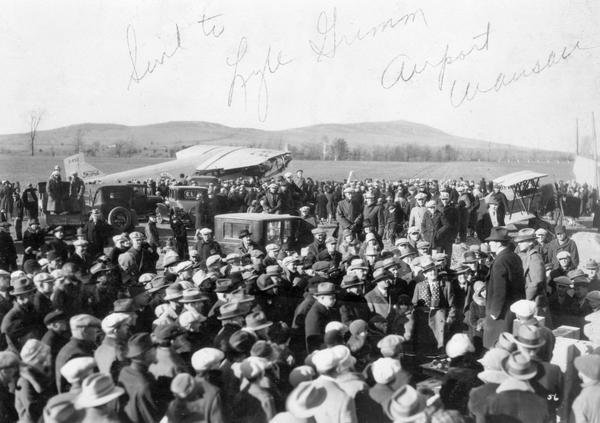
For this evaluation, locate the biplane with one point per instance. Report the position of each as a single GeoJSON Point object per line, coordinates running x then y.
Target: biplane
{"type": "Point", "coordinates": [528, 200]}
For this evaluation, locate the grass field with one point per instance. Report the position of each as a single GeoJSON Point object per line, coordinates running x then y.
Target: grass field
{"type": "Point", "coordinates": [37, 168]}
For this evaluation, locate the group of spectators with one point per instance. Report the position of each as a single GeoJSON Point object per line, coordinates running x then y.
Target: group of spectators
{"type": "Point", "coordinates": [338, 327]}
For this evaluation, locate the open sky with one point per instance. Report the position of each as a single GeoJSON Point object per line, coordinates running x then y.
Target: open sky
{"type": "Point", "coordinates": [511, 71]}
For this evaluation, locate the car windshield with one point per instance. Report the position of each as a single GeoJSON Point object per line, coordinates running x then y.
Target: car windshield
{"type": "Point", "coordinates": [278, 231]}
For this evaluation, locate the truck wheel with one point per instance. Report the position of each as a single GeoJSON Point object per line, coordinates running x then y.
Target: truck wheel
{"type": "Point", "coordinates": [119, 218]}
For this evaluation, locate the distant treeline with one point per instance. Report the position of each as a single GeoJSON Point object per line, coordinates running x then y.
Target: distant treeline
{"type": "Point", "coordinates": [337, 150]}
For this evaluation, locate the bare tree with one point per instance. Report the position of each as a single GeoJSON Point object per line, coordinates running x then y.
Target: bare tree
{"type": "Point", "coordinates": [79, 139]}
{"type": "Point", "coordinates": [35, 118]}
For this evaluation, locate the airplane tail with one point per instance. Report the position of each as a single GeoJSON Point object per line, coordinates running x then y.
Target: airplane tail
{"type": "Point", "coordinates": [86, 171]}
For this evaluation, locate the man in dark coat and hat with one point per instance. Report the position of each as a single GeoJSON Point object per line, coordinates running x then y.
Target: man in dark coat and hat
{"type": "Point", "coordinates": [21, 322]}
{"type": "Point", "coordinates": [8, 252]}
{"type": "Point", "coordinates": [506, 285]}
{"type": "Point", "coordinates": [322, 312]}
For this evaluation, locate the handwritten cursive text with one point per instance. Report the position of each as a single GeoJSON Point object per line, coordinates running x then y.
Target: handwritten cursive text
{"type": "Point", "coordinates": [138, 74]}
{"type": "Point", "coordinates": [329, 40]}
{"type": "Point", "coordinates": [269, 67]}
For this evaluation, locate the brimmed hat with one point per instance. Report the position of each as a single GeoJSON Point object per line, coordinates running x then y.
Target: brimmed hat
{"type": "Point", "coordinates": [406, 252]}
{"type": "Point", "coordinates": [321, 266]}
{"type": "Point", "coordinates": [357, 264]}
{"type": "Point", "coordinates": [325, 288]}
{"type": "Point", "coordinates": [350, 280]}
{"type": "Point", "coordinates": [301, 374]}
{"type": "Point", "coordinates": [526, 234]}
{"type": "Point", "coordinates": [242, 341]}
{"type": "Point", "coordinates": [529, 336]}
{"type": "Point", "coordinates": [138, 344]}
{"type": "Point", "coordinates": [22, 286]}
{"type": "Point", "coordinates": [173, 292]}
{"type": "Point", "coordinates": [156, 284]}
{"type": "Point", "coordinates": [381, 275]}
{"type": "Point", "coordinates": [170, 258]}
{"type": "Point", "coordinates": [519, 366]}
{"type": "Point", "coordinates": [273, 270]}
{"type": "Point", "coordinates": [591, 264]}
{"type": "Point", "coordinates": [97, 389]}
{"type": "Point", "coordinates": [244, 233]}
{"type": "Point", "coordinates": [232, 309]}
{"type": "Point", "coordinates": [506, 341]}
{"type": "Point", "coordinates": [304, 399]}
{"type": "Point", "coordinates": [324, 360]}
{"type": "Point", "coordinates": [499, 234]}
{"type": "Point", "coordinates": [423, 244]}
{"type": "Point", "coordinates": [469, 257]}
{"type": "Point", "coordinates": [427, 263]}
{"type": "Point", "coordinates": [32, 349]}
{"type": "Point", "coordinates": [405, 405]}
{"type": "Point", "coordinates": [60, 409]}
{"type": "Point", "coordinates": [167, 332]}
{"type": "Point", "coordinates": [192, 295]}
{"type": "Point", "coordinates": [589, 365]}
{"type": "Point", "coordinates": [124, 305]}
{"type": "Point", "coordinates": [257, 321]}
{"type": "Point", "coordinates": [213, 260]}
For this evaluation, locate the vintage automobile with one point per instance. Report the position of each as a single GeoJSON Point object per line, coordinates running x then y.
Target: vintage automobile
{"type": "Point", "coordinates": [124, 205]}
{"type": "Point", "coordinates": [203, 180]}
{"type": "Point", "coordinates": [265, 229]}
{"type": "Point", "coordinates": [180, 197]}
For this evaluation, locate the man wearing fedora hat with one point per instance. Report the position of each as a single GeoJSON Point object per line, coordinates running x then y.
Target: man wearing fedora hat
{"type": "Point", "coordinates": [506, 285]}
{"type": "Point", "coordinates": [21, 322]}
{"type": "Point", "coordinates": [352, 303]}
{"type": "Point", "coordinates": [548, 381]}
{"type": "Point", "coordinates": [347, 213]}
{"type": "Point", "coordinates": [533, 264]}
{"type": "Point", "coordinates": [322, 312]}
{"type": "Point", "coordinates": [142, 405]}
{"type": "Point", "coordinates": [97, 398]}
{"type": "Point", "coordinates": [515, 399]}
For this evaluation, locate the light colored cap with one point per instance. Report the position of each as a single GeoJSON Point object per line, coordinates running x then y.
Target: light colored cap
{"type": "Point", "coordinates": [207, 359]}
{"type": "Point", "coordinates": [272, 247]}
{"type": "Point", "coordinates": [146, 277]}
{"type": "Point", "coordinates": [205, 231]}
{"type": "Point", "coordinates": [324, 360]}
{"type": "Point", "coordinates": [385, 370]}
{"type": "Point", "coordinates": [524, 308]}
{"type": "Point", "coordinates": [77, 369]}
{"type": "Point", "coordinates": [84, 320]}
{"type": "Point", "coordinates": [113, 321]}
{"type": "Point", "coordinates": [335, 325]}
{"type": "Point", "coordinates": [212, 260]}
{"type": "Point", "coordinates": [183, 266]}
{"type": "Point", "coordinates": [32, 350]}
{"type": "Point", "coordinates": [459, 345]}
{"type": "Point", "coordinates": [563, 254]}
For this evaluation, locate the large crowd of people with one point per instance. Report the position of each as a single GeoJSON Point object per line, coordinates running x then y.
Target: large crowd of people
{"type": "Point", "coordinates": [393, 302]}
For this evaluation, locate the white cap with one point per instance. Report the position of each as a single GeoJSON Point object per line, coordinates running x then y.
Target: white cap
{"type": "Point", "coordinates": [205, 231]}
{"type": "Point", "coordinates": [146, 277]}
{"type": "Point", "coordinates": [523, 308]}
{"type": "Point", "coordinates": [541, 231]}
{"type": "Point", "coordinates": [212, 260]}
{"type": "Point", "coordinates": [563, 254]}
{"type": "Point", "coordinates": [335, 325]}
{"type": "Point", "coordinates": [207, 359]}
{"type": "Point", "coordinates": [272, 247]}
{"type": "Point", "coordinates": [324, 360]}
{"type": "Point", "coordinates": [113, 321]}
{"type": "Point", "coordinates": [76, 369]}
{"type": "Point", "coordinates": [458, 345]}
{"type": "Point", "coordinates": [182, 266]}
{"type": "Point", "coordinates": [384, 370]}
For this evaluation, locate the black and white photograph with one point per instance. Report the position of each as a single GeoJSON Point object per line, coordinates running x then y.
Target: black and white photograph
{"type": "Point", "coordinates": [283, 211]}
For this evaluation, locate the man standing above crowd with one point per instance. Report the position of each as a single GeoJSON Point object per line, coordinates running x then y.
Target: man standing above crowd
{"type": "Point", "coordinates": [347, 215]}
{"type": "Point", "coordinates": [505, 286]}
{"type": "Point", "coordinates": [447, 227]}
{"type": "Point", "coordinates": [96, 232]}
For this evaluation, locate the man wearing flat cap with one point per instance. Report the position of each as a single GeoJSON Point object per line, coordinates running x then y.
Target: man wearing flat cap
{"type": "Point", "coordinates": [206, 245]}
{"type": "Point", "coordinates": [348, 214]}
{"type": "Point", "coordinates": [57, 244]}
{"type": "Point", "coordinates": [97, 232]}
{"type": "Point", "coordinates": [139, 259]}
{"type": "Point", "coordinates": [272, 200]}
{"type": "Point", "coordinates": [84, 332]}
{"type": "Point", "coordinates": [318, 245]}
{"type": "Point", "coordinates": [533, 264]}
{"type": "Point", "coordinates": [505, 286]}
{"type": "Point", "coordinates": [446, 228]}
{"type": "Point", "coordinates": [562, 242]}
